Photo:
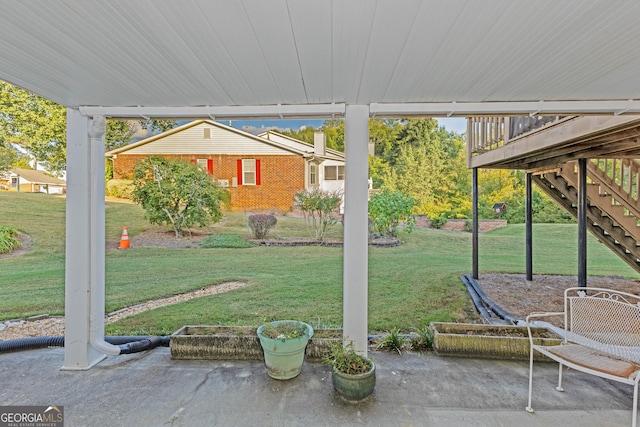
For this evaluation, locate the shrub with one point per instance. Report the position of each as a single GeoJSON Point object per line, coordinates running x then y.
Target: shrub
{"type": "Point", "coordinates": [260, 224]}
{"type": "Point", "coordinates": [468, 225]}
{"type": "Point", "coordinates": [388, 208]}
{"type": "Point", "coordinates": [121, 188]}
{"type": "Point", "coordinates": [320, 210]}
{"type": "Point", "coordinates": [438, 222]}
{"type": "Point", "coordinates": [8, 239]}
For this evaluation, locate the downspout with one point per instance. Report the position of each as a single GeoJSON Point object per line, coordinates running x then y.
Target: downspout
{"type": "Point", "coordinates": [529, 227]}
{"type": "Point", "coordinates": [96, 330]}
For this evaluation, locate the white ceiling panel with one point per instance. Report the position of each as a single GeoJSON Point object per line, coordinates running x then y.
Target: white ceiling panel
{"type": "Point", "coordinates": [351, 43]}
{"type": "Point", "coordinates": [219, 53]}
{"type": "Point", "coordinates": [274, 35]}
{"type": "Point", "coordinates": [391, 27]}
{"type": "Point", "coordinates": [311, 22]}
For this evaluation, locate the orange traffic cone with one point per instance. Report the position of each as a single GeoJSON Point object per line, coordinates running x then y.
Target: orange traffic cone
{"type": "Point", "coordinates": [124, 240]}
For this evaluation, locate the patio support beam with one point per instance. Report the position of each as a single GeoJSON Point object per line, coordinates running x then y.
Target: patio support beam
{"type": "Point", "coordinates": [582, 223]}
{"type": "Point", "coordinates": [474, 222]}
{"type": "Point", "coordinates": [356, 233]}
{"type": "Point", "coordinates": [85, 244]}
{"type": "Point", "coordinates": [507, 108]}
{"type": "Point", "coordinates": [220, 112]}
{"type": "Point", "coordinates": [529, 226]}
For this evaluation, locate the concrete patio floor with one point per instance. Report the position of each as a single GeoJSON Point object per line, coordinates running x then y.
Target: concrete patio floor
{"type": "Point", "coordinates": [150, 389]}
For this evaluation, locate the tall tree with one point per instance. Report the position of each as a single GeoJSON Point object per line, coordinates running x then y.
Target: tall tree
{"type": "Point", "coordinates": [420, 164]}
{"type": "Point", "coordinates": [38, 126]}
{"type": "Point", "coordinates": [35, 124]}
{"type": "Point", "coordinates": [157, 125]}
{"type": "Point", "coordinates": [334, 130]}
{"type": "Point", "coordinates": [8, 156]}
{"type": "Point", "coordinates": [118, 133]}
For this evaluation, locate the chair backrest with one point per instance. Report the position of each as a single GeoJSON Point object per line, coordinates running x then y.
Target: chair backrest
{"type": "Point", "coordinates": [604, 319]}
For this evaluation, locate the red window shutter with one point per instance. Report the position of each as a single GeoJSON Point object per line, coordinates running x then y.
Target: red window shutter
{"type": "Point", "coordinates": [210, 166]}
{"type": "Point", "coordinates": [257, 171]}
{"type": "Point", "coordinates": [239, 163]}
{"type": "Point", "coordinates": [193, 161]}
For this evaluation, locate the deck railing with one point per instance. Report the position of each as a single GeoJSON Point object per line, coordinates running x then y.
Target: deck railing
{"type": "Point", "coordinates": [621, 177]}
{"type": "Point", "coordinates": [488, 133]}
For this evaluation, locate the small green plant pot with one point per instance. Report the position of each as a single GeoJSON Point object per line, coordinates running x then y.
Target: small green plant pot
{"type": "Point", "coordinates": [284, 356]}
{"type": "Point", "coordinates": [354, 388]}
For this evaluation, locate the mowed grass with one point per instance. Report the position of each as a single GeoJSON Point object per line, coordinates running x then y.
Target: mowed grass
{"type": "Point", "coordinates": [409, 285]}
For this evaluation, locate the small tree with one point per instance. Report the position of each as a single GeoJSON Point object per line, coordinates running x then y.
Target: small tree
{"type": "Point", "coordinates": [177, 193]}
{"type": "Point", "coordinates": [320, 210]}
{"type": "Point", "coordinates": [388, 208]}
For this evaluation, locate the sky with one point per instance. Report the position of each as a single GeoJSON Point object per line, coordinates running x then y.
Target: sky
{"type": "Point", "coordinates": [452, 124]}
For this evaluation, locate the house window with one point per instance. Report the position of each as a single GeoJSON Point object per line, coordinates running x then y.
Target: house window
{"type": "Point", "coordinates": [206, 164]}
{"type": "Point", "coordinates": [334, 173]}
{"type": "Point", "coordinates": [313, 174]}
{"type": "Point", "coordinates": [202, 163]}
{"type": "Point", "coordinates": [249, 171]}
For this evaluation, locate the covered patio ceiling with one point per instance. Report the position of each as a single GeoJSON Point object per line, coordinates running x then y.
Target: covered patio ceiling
{"type": "Point", "coordinates": [304, 58]}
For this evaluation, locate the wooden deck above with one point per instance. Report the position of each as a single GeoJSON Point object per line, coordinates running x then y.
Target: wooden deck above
{"type": "Point", "coordinates": [555, 142]}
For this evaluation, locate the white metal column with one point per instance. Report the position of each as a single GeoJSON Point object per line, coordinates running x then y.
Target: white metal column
{"type": "Point", "coordinates": [356, 233]}
{"type": "Point", "coordinates": [85, 244]}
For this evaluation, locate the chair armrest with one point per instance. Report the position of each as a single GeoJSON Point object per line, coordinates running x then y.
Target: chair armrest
{"type": "Point", "coordinates": [543, 314]}
{"type": "Point", "coordinates": [538, 315]}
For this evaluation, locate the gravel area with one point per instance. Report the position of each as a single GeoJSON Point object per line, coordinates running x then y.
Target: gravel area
{"type": "Point", "coordinates": [519, 297]}
{"type": "Point", "coordinates": [54, 326]}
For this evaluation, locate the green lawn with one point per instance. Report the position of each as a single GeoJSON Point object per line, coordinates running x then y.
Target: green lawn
{"type": "Point", "coordinates": [409, 286]}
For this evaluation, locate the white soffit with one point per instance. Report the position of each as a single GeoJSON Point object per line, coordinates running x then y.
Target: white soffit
{"type": "Point", "coordinates": [323, 53]}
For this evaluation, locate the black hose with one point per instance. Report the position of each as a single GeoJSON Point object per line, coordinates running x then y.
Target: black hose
{"type": "Point", "coordinates": [31, 343]}
{"type": "Point", "coordinates": [127, 344]}
{"type": "Point", "coordinates": [476, 300]}
{"type": "Point", "coordinates": [490, 304]}
{"type": "Point", "coordinates": [144, 344]}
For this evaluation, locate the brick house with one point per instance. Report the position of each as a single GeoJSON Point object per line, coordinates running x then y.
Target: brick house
{"type": "Point", "coordinates": [262, 172]}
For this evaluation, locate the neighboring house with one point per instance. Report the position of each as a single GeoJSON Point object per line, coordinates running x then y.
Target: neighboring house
{"type": "Point", "coordinates": [32, 181]}
{"type": "Point", "coordinates": [262, 172]}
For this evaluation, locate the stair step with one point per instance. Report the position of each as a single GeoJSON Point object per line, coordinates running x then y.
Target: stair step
{"type": "Point", "coordinates": [609, 222]}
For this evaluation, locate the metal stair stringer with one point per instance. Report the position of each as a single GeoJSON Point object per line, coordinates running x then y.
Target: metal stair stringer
{"type": "Point", "coordinates": [606, 230]}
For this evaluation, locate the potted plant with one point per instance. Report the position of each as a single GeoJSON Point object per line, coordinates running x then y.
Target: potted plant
{"type": "Point", "coordinates": [353, 375]}
{"type": "Point", "coordinates": [283, 343]}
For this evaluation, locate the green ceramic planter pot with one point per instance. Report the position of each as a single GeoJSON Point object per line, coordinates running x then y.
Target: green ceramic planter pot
{"type": "Point", "coordinates": [354, 388]}
{"type": "Point", "coordinates": [284, 356]}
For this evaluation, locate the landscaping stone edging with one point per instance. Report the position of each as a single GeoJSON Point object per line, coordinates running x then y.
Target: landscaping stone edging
{"type": "Point", "coordinates": [332, 243]}
{"type": "Point", "coordinates": [459, 224]}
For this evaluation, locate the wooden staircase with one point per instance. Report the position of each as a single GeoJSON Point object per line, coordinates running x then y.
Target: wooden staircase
{"type": "Point", "coordinates": [613, 203]}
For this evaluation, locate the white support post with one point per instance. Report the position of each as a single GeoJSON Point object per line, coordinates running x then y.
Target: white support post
{"type": "Point", "coordinates": [85, 245]}
{"type": "Point", "coordinates": [356, 233]}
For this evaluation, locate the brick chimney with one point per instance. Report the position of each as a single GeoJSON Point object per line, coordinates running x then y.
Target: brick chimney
{"type": "Point", "coordinates": [319, 143]}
